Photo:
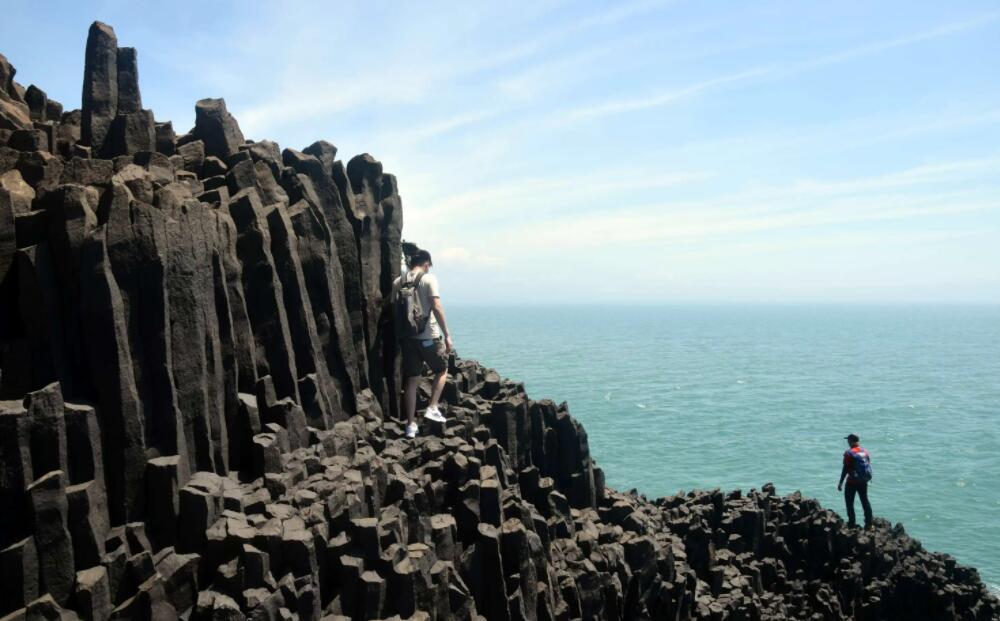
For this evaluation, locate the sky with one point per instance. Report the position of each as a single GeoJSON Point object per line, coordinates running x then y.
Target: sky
{"type": "Point", "coordinates": [636, 152]}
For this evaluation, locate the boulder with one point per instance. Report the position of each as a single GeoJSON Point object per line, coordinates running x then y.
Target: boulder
{"type": "Point", "coordinates": [217, 128]}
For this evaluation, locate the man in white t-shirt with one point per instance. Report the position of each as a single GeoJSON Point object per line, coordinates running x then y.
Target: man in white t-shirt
{"type": "Point", "coordinates": [430, 347]}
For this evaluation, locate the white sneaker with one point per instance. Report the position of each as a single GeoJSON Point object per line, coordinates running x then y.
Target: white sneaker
{"type": "Point", "coordinates": [411, 430]}
{"type": "Point", "coordinates": [434, 414]}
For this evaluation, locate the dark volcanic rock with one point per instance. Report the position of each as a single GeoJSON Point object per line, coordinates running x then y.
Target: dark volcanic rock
{"type": "Point", "coordinates": [216, 128]}
{"type": "Point", "coordinates": [100, 85]}
{"type": "Point", "coordinates": [200, 415]}
{"type": "Point", "coordinates": [129, 98]}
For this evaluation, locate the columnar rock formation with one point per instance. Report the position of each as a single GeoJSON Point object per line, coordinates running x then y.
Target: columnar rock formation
{"type": "Point", "coordinates": [199, 393]}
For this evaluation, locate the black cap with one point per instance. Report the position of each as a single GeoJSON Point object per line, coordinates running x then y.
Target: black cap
{"type": "Point", "coordinates": [420, 257]}
{"type": "Point", "coordinates": [851, 437]}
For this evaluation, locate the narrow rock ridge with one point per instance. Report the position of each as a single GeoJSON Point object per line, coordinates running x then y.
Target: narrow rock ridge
{"type": "Point", "coordinates": [198, 418]}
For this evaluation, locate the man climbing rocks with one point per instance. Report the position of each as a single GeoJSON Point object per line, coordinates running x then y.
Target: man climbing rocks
{"type": "Point", "coordinates": [858, 471]}
{"type": "Point", "coordinates": [423, 336]}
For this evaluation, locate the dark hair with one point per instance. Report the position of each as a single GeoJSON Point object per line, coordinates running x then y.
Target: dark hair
{"type": "Point", "coordinates": [420, 257]}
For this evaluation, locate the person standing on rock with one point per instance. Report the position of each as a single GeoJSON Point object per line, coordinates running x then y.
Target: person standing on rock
{"type": "Point", "coordinates": [423, 336]}
{"type": "Point", "coordinates": [857, 470]}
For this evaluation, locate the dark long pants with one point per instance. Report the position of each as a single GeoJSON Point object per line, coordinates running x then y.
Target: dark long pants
{"type": "Point", "coordinates": [861, 489]}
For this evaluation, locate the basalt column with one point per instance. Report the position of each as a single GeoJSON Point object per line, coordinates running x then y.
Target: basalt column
{"type": "Point", "coordinates": [375, 212]}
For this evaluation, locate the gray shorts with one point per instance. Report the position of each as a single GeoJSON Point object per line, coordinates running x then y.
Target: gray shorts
{"type": "Point", "coordinates": [418, 351]}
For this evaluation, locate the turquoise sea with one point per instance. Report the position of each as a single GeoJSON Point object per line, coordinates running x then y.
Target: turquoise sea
{"type": "Point", "coordinates": [693, 397]}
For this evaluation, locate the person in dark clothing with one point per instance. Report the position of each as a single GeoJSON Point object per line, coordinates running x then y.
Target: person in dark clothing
{"type": "Point", "coordinates": [857, 470]}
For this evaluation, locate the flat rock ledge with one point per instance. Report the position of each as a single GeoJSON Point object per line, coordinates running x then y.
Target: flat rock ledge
{"type": "Point", "coordinates": [199, 415]}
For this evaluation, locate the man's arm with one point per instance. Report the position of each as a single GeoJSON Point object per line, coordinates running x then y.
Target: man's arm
{"type": "Point", "coordinates": [843, 473]}
{"type": "Point", "coordinates": [438, 310]}
{"type": "Point", "coordinates": [388, 300]}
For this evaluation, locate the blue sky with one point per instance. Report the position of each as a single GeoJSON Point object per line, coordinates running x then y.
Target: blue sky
{"type": "Point", "coordinates": [634, 151]}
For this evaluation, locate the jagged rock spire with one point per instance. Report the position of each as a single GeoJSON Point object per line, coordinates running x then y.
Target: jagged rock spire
{"type": "Point", "coordinates": [100, 85]}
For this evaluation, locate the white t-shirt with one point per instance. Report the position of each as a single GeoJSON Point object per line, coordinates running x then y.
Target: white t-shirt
{"type": "Point", "coordinates": [427, 290]}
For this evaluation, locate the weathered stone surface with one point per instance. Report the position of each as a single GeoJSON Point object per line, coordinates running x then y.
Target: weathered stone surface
{"type": "Point", "coordinates": [308, 357]}
{"type": "Point", "coordinates": [136, 237]}
{"type": "Point", "coordinates": [165, 138]}
{"type": "Point", "coordinates": [375, 212]}
{"type": "Point", "coordinates": [329, 200]}
{"type": "Point", "coordinates": [264, 294]}
{"type": "Point", "coordinates": [49, 513]}
{"type": "Point", "coordinates": [37, 102]}
{"type": "Point", "coordinates": [19, 193]}
{"type": "Point", "coordinates": [164, 478]}
{"type": "Point", "coordinates": [131, 132]}
{"type": "Point", "coordinates": [19, 567]}
{"type": "Point", "coordinates": [93, 594]}
{"type": "Point", "coordinates": [14, 111]}
{"type": "Point", "coordinates": [193, 289]}
{"type": "Point", "coordinates": [217, 128]}
{"type": "Point", "coordinates": [129, 98]}
{"type": "Point", "coordinates": [88, 522]}
{"type": "Point", "coordinates": [193, 154]}
{"type": "Point", "coordinates": [122, 427]}
{"type": "Point", "coordinates": [100, 85]}
{"type": "Point", "coordinates": [323, 277]}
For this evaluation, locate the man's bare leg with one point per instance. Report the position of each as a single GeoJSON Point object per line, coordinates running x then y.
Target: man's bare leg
{"type": "Point", "coordinates": [410, 398]}
{"type": "Point", "coordinates": [439, 381]}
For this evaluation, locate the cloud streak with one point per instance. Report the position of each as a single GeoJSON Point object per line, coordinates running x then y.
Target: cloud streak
{"type": "Point", "coordinates": [799, 206]}
{"type": "Point", "coordinates": [773, 71]}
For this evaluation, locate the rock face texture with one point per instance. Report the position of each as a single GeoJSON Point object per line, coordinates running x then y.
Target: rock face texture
{"type": "Point", "coordinates": [198, 389]}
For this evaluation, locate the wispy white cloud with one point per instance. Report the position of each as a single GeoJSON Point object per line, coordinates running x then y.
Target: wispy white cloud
{"type": "Point", "coordinates": [620, 106]}
{"type": "Point", "coordinates": [875, 47]}
{"type": "Point", "coordinates": [436, 128]}
{"type": "Point", "coordinates": [917, 175]}
{"type": "Point", "coordinates": [519, 195]}
{"type": "Point", "coordinates": [462, 257]}
{"type": "Point", "coordinates": [800, 206]}
{"type": "Point", "coordinates": [618, 12]}
{"type": "Point", "coordinates": [403, 79]}
{"type": "Point", "coordinates": [546, 75]}
{"type": "Point", "coordinates": [603, 230]}
{"type": "Point", "coordinates": [769, 71]}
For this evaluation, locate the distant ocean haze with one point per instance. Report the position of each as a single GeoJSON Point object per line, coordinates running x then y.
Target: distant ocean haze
{"type": "Point", "coordinates": [692, 397]}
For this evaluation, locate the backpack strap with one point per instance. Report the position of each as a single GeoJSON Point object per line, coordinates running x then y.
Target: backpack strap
{"type": "Point", "coordinates": [404, 282]}
{"type": "Point", "coordinates": [430, 311]}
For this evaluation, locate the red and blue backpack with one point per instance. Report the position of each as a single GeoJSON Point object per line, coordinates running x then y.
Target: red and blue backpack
{"type": "Point", "coordinates": [861, 472]}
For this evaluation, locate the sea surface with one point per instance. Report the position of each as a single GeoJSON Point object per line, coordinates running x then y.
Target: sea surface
{"type": "Point", "coordinates": [676, 398]}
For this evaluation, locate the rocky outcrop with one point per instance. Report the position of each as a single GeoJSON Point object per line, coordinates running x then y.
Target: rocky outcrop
{"type": "Point", "coordinates": [199, 388]}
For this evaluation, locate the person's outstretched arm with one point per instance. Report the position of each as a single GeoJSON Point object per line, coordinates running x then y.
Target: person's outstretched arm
{"type": "Point", "coordinates": [442, 323]}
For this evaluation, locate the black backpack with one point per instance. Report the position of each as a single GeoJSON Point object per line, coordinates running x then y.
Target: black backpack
{"type": "Point", "coordinates": [410, 315]}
